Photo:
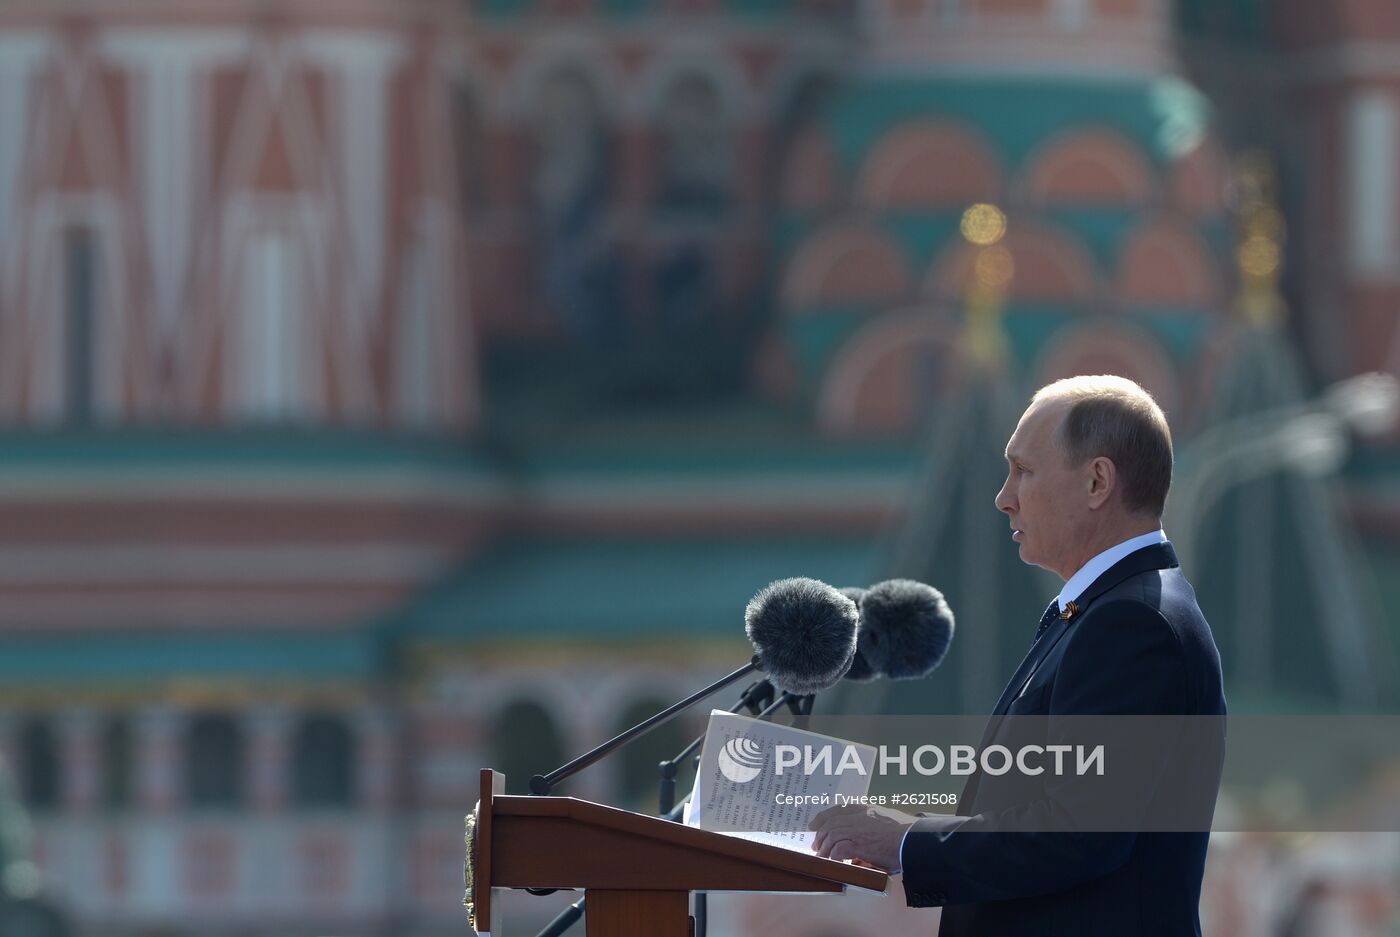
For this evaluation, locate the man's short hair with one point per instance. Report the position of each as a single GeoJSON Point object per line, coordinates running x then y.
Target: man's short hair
{"type": "Point", "coordinates": [1114, 417]}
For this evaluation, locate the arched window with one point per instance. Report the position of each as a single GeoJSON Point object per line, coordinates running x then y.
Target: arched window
{"type": "Point", "coordinates": [526, 743]}
{"type": "Point", "coordinates": [571, 150]}
{"type": "Point", "coordinates": [695, 157]}
{"type": "Point", "coordinates": [116, 764]}
{"type": "Point", "coordinates": [39, 779]}
{"type": "Point", "coordinates": [323, 762]}
{"type": "Point", "coordinates": [638, 777]}
{"type": "Point", "coordinates": [214, 765]}
{"type": "Point", "coordinates": [579, 275]}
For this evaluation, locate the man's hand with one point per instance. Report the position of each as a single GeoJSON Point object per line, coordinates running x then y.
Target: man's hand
{"type": "Point", "coordinates": [869, 834]}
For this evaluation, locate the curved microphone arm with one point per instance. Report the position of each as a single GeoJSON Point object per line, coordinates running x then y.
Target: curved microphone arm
{"type": "Point", "coordinates": [755, 698]}
{"type": "Point", "coordinates": [758, 699]}
{"type": "Point", "coordinates": [542, 784]}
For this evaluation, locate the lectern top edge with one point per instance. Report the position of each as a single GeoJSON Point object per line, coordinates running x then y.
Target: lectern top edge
{"type": "Point", "coordinates": [583, 811]}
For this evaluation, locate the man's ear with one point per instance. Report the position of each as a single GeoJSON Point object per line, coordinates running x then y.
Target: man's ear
{"type": "Point", "coordinates": [1103, 479]}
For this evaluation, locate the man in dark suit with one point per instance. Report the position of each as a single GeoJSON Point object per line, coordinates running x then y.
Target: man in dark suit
{"type": "Point", "coordinates": [1089, 466]}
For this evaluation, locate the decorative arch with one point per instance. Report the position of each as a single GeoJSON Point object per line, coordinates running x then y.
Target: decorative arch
{"type": "Point", "coordinates": [118, 763]}
{"type": "Point", "coordinates": [215, 761]}
{"type": "Point", "coordinates": [929, 164]}
{"type": "Point", "coordinates": [323, 762]}
{"type": "Point", "coordinates": [40, 764]}
{"type": "Point", "coordinates": [1165, 263]}
{"type": "Point", "coordinates": [571, 149]}
{"type": "Point", "coordinates": [525, 735]}
{"type": "Point", "coordinates": [888, 371]}
{"type": "Point", "coordinates": [74, 170]}
{"type": "Point", "coordinates": [1111, 347]}
{"type": "Point", "coordinates": [798, 89]}
{"type": "Point", "coordinates": [587, 55]}
{"type": "Point", "coordinates": [1199, 179]}
{"type": "Point", "coordinates": [846, 263]}
{"type": "Point", "coordinates": [694, 125]}
{"type": "Point", "coordinates": [1051, 265]}
{"type": "Point", "coordinates": [687, 58]}
{"type": "Point", "coordinates": [636, 763]}
{"type": "Point", "coordinates": [1092, 166]}
{"type": "Point", "coordinates": [475, 72]}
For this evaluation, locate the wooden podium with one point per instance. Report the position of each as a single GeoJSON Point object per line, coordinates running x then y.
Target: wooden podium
{"type": "Point", "coordinates": [637, 871]}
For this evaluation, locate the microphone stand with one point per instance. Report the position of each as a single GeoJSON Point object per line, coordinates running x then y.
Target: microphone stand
{"type": "Point", "coordinates": [542, 784]}
{"type": "Point", "coordinates": [754, 697]}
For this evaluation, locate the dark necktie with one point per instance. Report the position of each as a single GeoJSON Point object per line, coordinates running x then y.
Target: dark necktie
{"type": "Point", "coordinates": [1051, 613]}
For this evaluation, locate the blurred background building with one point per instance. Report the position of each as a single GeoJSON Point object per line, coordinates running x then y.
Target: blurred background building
{"type": "Point", "coordinates": [393, 389]}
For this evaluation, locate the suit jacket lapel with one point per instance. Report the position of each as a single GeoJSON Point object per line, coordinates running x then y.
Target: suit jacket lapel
{"type": "Point", "coordinates": [1032, 659]}
{"type": "Point", "coordinates": [1157, 556]}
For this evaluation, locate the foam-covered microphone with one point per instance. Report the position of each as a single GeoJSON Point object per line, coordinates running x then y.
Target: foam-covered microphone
{"type": "Point", "coordinates": [905, 630]}
{"type": "Point", "coordinates": [804, 633]}
{"type": "Point", "coordinates": [860, 664]}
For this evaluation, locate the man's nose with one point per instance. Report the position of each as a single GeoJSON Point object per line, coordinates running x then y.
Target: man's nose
{"type": "Point", "coordinates": [1003, 499]}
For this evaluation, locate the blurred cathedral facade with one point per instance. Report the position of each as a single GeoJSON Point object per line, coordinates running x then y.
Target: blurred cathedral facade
{"type": "Point", "coordinates": [393, 389]}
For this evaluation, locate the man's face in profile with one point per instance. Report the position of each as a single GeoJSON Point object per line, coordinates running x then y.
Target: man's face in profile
{"type": "Point", "coordinates": [1043, 497]}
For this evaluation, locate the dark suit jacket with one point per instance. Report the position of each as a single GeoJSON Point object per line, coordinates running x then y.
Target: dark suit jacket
{"type": "Point", "coordinates": [1138, 646]}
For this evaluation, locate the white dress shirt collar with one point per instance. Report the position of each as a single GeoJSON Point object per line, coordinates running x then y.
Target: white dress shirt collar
{"type": "Point", "coordinates": [1101, 564]}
